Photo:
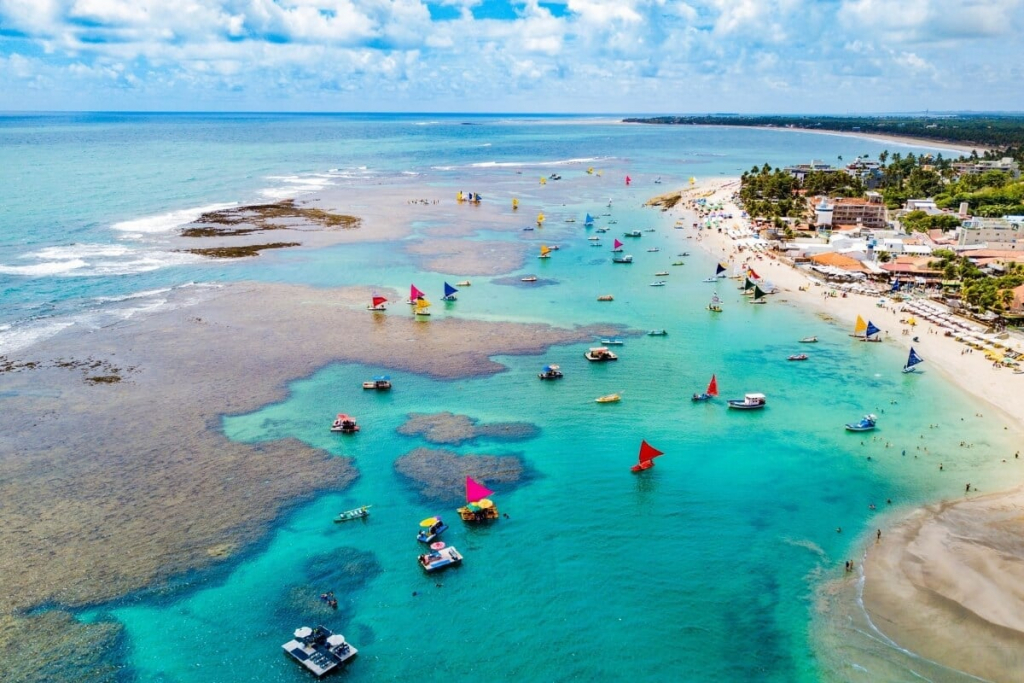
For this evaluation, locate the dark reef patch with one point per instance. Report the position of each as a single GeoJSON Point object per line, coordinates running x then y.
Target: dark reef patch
{"type": "Point", "coordinates": [440, 475]}
{"type": "Point", "coordinates": [245, 220]}
{"type": "Point", "coordinates": [453, 430]}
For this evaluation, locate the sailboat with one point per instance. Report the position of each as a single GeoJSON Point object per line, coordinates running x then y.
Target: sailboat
{"type": "Point", "coordinates": [588, 221]}
{"type": "Point", "coordinates": [617, 246]}
{"type": "Point", "coordinates": [716, 304]}
{"type": "Point", "coordinates": [758, 296]}
{"type": "Point", "coordinates": [478, 506]}
{"type": "Point", "coordinates": [647, 455]}
{"type": "Point", "coordinates": [414, 295]}
{"type": "Point", "coordinates": [422, 306]}
{"type": "Point", "coordinates": [709, 393]}
{"type": "Point", "coordinates": [912, 361]}
{"type": "Point", "coordinates": [378, 304]}
{"type": "Point", "coordinates": [515, 204]}
{"type": "Point", "coordinates": [540, 218]}
{"type": "Point", "coordinates": [449, 293]}
{"type": "Point", "coordinates": [870, 333]}
{"type": "Point", "coordinates": [721, 271]}
{"type": "Point", "coordinates": [545, 251]}
{"type": "Point", "coordinates": [859, 327]}
{"type": "Point", "coordinates": [748, 286]}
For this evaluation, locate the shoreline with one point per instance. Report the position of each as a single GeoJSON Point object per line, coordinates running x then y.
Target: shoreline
{"type": "Point", "coordinates": [940, 589]}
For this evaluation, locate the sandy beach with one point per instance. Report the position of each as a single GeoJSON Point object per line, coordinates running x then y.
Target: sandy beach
{"type": "Point", "coordinates": [939, 595]}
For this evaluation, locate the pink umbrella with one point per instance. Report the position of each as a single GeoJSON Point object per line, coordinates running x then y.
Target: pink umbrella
{"type": "Point", "coordinates": [437, 546]}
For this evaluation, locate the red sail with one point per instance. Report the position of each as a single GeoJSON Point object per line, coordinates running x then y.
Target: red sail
{"type": "Point", "coordinates": [713, 387]}
{"type": "Point", "coordinates": [753, 275]}
{"type": "Point", "coordinates": [414, 293]}
{"type": "Point", "coordinates": [378, 300]}
{"type": "Point", "coordinates": [648, 452]}
{"type": "Point", "coordinates": [628, 180]}
{"type": "Point", "coordinates": [475, 491]}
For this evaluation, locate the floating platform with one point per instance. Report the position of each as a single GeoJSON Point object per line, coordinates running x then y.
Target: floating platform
{"type": "Point", "coordinates": [319, 649]}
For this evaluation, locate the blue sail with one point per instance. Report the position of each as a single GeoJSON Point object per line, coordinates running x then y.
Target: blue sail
{"type": "Point", "coordinates": [913, 359]}
{"type": "Point", "coordinates": [589, 219]}
{"type": "Point", "coordinates": [872, 330]}
{"type": "Point", "coordinates": [720, 269]}
{"type": "Point", "coordinates": [449, 290]}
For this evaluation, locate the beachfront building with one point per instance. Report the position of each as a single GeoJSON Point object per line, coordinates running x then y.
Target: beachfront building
{"type": "Point", "coordinates": [926, 205]}
{"type": "Point", "coordinates": [800, 171]}
{"type": "Point", "coordinates": [916, 269]}
{"type": "Point", "coordinates": [994, 233]}
{"type": "Point", "coordinates": [850, 212]}
{"type": "Point", "coordinates": [979, 166]}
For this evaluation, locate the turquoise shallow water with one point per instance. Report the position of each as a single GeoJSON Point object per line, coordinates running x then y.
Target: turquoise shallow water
{"type": "Point", "coordinates": [700, 569]}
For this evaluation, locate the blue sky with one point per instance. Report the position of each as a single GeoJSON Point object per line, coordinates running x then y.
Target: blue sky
{"type": "Point", "coordinates": [830, 56]}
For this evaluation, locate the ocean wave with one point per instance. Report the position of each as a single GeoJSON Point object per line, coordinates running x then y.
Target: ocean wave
{"type": "Point", "coordinates": [92, 260]}
{"type": "Point", "coordinates": [15, 337]}
{"type": "Point", "coordinates": [165, 222]}
{"type": "Point", "coordinates": [538, 164]}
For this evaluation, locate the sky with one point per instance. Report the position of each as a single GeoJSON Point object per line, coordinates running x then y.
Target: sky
{"type": "Point", "coordinates": [559, 56]}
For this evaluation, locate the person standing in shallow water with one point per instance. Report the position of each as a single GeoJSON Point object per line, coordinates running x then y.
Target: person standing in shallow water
{"type": "Point", "coordinates": [878, 535]}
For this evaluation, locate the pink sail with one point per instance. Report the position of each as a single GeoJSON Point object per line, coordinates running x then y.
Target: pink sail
{"type": "Point", "coordinates": [475, 491]}
{"type": "Point", "coordinates": [415, 293]}
{"type": "Point", "coordinates": [628, 180]}
{"type": "Point", "coordinates": [618, 244]}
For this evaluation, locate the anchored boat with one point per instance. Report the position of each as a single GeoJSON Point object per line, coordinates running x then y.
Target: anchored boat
{"type": "Point", "coordinates": [599, 354]}
{"type": "Point", "coordinates": [380, 383]}
{"type": "Point", "coordinates": [748, 402]}
{"type": "Point", "coordinates": [608, 398]}
{"type": "Point", "coordinates": [319, 649]}
{"type": "Point", "coordinates": [430, 529]}
{"type": "Point", "coordinates": [478, 507]}
{"type": "Point", "coordinates": [866, 424]}
{"type": "Point", "coordinates": [346, 424]}
{"type": "Point", "coordinates": [355, 513]}
{"type": "Point", "coordinates": [440, 558]}
{"type": "Point", "coordinates": [550, 372]}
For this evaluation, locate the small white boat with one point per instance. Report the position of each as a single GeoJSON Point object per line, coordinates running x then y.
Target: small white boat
{"type": "Point", "coordinates": [653, 250]}
{"type": "Point", "coordinates": [659, 283]}
{"type": "Point", "coordinates": [614, 341]}
{"type": "Point", "coordinates": [661, 273]}
{"type": "Point", "coordinates": [609, 398]}
{"type": "Point", "coordinates": [748, 402]}
{"type": "Point", "coordinates": [529, 278]}
{"type": "Point", "coordinates": [809, 340]}
{"type": "Point", "coordinates": [657, 333]}
{"type": "Point", "coordinates": [866, 424]}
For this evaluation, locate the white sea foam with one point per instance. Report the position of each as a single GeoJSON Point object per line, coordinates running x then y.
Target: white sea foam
{"type": "Point", "coordinates": [25, 334]}
{"type": "Point", "coordinates": [90, 260]}
{"type": "Point", "coordinates": [61, 267]}
{"type": "Point", "coordinates": [538, 164]}
{"type": "Point", "coordinates": [166, 222]}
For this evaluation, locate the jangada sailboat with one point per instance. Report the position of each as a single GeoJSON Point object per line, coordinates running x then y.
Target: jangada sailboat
{"type": "Point", "coordinates": [378, 304]}
{"type": "Point", "coordinates": [617, 246]}
{"type": "Point", "coordinates": [545, 251]}
{"type": "Point", "coordinates": [871, 333]}
{"type": "Point", "coordinates": [647, 455]}
{"type": "Point", "coordinates": [912, 361]}
{"type": "Point", "coordinates": [716, 304]}
{"type": "Point", "coordinates": [422, 307]}
{"type": "Point", "coordinates": [758, 296]}
{"type": "Point", "coordinates": [414, 295]}
{"type": "Point", "coordinates": [449, 293]}
{"type": "Point", "coordinates": [709, 393]}
{"type": "Point", "coordinates": [478, 507]}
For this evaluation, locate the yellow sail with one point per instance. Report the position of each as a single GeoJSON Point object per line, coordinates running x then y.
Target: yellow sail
{"type": "Point", "coordinates": [590, 171]}
{"type": "Point", "coordinates": [459, 196]}
{"type": "Point", "coordinates": [544, 250]}
{"type": "Point", "coordinates": [599, 173]}
{"type": "Point", "coordinates": [543, 180]}
{"type": "Point", "coordinates": [515, 203]}
{"type": "Point", "coordinates": [692, 180]}
{"type": "Point", "coordinates": [422, 303]}
{"type": "Point", "coordinates": [861, 327]}
{"type": "Point", "coordinates": [540, 218]}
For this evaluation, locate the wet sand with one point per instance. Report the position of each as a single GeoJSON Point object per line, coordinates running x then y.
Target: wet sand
{"type": "Point", "coordinates": [112, 487]}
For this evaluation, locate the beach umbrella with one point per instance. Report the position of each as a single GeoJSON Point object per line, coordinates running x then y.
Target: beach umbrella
{"type": "Point", "coordinates": [429, 521]}
{"type": "Point", "coordinates": [303, 632]}
{"type": "Point", "coordinates": [437, 545]}
{"type": "Point", "coordinates": [485, 504]}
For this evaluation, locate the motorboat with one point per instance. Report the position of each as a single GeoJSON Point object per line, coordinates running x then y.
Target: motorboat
{"type": "Point", "coordinates": [381, 383]}
{"type": "Point", "coordinates": [661, 273]}
{"type": "Point", "coordinates": [606, 297]}
{"type": "Point", "coordinates": [678, 263]}
{"type": "Point", "coordinates": [710, 279]}
{"type": "Point", "coordinates": [609, 398]}
{"type": "Point", "coordinates": [319, 649]}
{"type": "Point", "coordinates": [614, 341]}
{"type": "Point", "coordinates": [464, 283]}
{"type": "Point", "coordinates": [355, 513]}
{"type": "Point", "coordinates": [809, 340]}
{"type": "Point", "coordinates": [622, 259]}
{"type": "Point", "coordinates": [866, 424]}
{"type": "Point", "coordinates": [599, 354]}
{"type": "Point", "coordinates": [658, 283]}
{"type": "Point", "coordinates": [633, 233]}
{"type": "Point", "coordinates": [657, 333]}
{"type": "Point", "coordinates": [346, 424]}
{"type": "Point", "coordinates": [596, 244]}
{"type": "Point", "coordinates": [748, 402]}
{"type": "Point", "coordinates": [430, 529]}
{"type": "Point", "coordinates": [528, 278]}
{"type": "Point", "coordinates": [550, 372]}
{"type": "Point", "coordinates": [593, 238]}
{"type": "Point", "coordinates": [441, 558]}
{"type": "Point", "coordinates": [798, 356]}
{"type": "Point", "coordinates": [653, 249]}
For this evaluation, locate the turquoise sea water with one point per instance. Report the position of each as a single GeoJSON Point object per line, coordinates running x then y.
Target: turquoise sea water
{"type": "Point", "coordinates": [700, 569]}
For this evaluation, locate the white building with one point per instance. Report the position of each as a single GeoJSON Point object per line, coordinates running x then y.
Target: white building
{"type": "Point", "coordinates": [994, 233]}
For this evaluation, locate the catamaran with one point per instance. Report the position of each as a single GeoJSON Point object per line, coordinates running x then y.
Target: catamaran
{"type": "Point", "coordinates": [912, 361]}
{"type": "Point", "coordinates": [378, 304]}
{"type": "Point", "coordinates": [709, 393]}
{"type": "Point", "coordinates": [449, 293]}
{"type": "Point", "coordinates": [646, 459]}
{"type": "Point", "coordinates": [414, 295]}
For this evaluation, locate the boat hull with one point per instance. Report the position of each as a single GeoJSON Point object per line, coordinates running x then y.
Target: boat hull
{"type": "Point", "coordinates": [740, 405]}
{"type": "Point", "coordinates": [858, 428]}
